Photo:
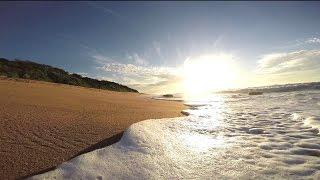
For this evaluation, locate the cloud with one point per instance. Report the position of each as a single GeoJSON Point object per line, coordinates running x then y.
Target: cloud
{"type": "Point", "coordinates": [218, 41]}
{"type": "Point", "coordinates": [313, 40]}
{"type": "Point", "coordinates": [138, 59]}
{"type": "Point", "coordinates": [170, 84]}
{"type": "Point", "coordinates": [302, 43]}
{"type": "Point", "coordinates": [157, 48]}
{"type": "Point", "coordinates": [142, 77]}
{"type": "Point", "coordinates": [131, 69]}
{"type": "Point", "coordinates": [100, 59]}
{"type": "Point", "coordinates": [83, 74]}
{"type": "Point", "coordinates": [104, 9]}
{"type": "Point", "coordinates": [297, 61]}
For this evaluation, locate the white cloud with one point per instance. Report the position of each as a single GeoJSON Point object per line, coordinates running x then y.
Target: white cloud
{"type": "Point", "coordinates": [131, 69]}
{"type": "Point", "coordinates": [100, 59]}
{"type": "Point", "coordinates": [302, 43]}
{"type": "Point", "coordinates": [141, 77]}
{"type": "Point", "coordinates": [157, 48]}
{"type": "Point", "coordinates": [313, 40]}
{"type": "Point", "coordinates": [291, 62]}
{"type": "Point", "coordinates": [104, 9]}
{"type": "Point", "coordinates": [138, 59]}
{"type": "Point", "coordinates": [83, 74]}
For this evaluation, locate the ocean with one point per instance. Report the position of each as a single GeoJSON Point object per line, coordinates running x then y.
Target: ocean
{"type": "Point", "coordinates": [225, 136]}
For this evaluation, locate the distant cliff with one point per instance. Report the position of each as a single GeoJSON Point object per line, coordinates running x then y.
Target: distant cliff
{"type": "Point", "coordinates": [41, 72]}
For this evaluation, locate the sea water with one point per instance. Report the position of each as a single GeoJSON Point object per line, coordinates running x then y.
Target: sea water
{"type": "Point", "coordinates": [225, 136]}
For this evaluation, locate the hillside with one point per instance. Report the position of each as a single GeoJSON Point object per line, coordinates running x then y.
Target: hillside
{"type": "Point", "coordinates": [41, 72]}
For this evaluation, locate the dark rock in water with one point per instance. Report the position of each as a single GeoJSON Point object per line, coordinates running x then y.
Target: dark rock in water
{"type": "Point", "coordinates": [185, 113]}
{"type": "Point", "coordinates": [167, 95]}
{"type": "Point", "coordinates": [255, 93]}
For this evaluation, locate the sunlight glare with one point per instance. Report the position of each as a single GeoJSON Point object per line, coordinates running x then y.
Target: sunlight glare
{"type": "Point", "coordinates": [208, 73]}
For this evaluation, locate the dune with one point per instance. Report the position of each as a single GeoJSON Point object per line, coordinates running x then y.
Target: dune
{"type": "Point", "coordinates": [43, 124]}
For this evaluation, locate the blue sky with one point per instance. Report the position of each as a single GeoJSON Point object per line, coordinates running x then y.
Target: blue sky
{"type": "Point", "coordinates": [142, 44]}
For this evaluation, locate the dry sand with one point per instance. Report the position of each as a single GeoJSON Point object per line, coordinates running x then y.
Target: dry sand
{"type": "Point", "coordinates": [43, 124]}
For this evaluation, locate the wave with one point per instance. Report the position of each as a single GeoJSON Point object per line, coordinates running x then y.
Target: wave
{"type": "Point", "coordinates": [314, 122]}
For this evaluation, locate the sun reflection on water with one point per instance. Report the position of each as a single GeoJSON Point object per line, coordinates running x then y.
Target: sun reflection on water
{"type": "Point", "coordinates": [201, 143]}
{"type": "Point", "coordinates": [203, 131]}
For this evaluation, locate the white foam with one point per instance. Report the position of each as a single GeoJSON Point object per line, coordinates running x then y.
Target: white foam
{"type": "Point", "coordinates": [314, 122]}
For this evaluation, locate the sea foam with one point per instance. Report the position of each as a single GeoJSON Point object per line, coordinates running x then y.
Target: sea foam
{"type": "Point", "coordinates": [314, 122]}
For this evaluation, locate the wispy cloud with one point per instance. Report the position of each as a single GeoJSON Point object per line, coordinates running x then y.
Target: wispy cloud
{"type": "Point", "coordinates": [101, 60]}
{"type": "Point", "coordinates": [84, 74]}
{"type": "Point", "coordinates": [141, 76]}
{"type": "Point", "coordinates": [157, 47]}
{"type": "Point", "coordinates": [313, 40]}
{"type": "Point", "coordinates": [291, 62]}
{"type": "Point", "coordinates": [107, 11]}
{"type": "Point", "coordinates": [131, 69]}
{"type": "Point", "coordinates": [302, 43]}
{"type": "Point", "coordinates": [137, 59]}
{"type": "Point", "coordinates": [218, 41]}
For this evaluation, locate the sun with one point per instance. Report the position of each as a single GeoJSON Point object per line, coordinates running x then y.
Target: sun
{"type": "Point", "coordinates": [207, 73]}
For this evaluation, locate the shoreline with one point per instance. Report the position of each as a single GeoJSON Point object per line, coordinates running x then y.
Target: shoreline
{"type": "Point", "coordinates": [44, 124]}
{"type": "Point", "coordinates": [244, 142]}
{"type": "Point", "coordinates": [104, 143]}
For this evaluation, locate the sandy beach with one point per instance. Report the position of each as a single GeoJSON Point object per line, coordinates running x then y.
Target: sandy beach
{"type": "Point", "coordinates": [225, 136]}
{"type": "Point", "coordinates": [43, 124]}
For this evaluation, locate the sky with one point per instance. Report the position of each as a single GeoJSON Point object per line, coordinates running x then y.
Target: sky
{"type": "Point", "coordinates": [148, 45]}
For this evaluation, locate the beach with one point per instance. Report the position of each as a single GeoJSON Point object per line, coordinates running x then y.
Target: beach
{"type": "Point", "coordinates": [44, 124]}
{"type": "Point", "coordinates": [225, 136]}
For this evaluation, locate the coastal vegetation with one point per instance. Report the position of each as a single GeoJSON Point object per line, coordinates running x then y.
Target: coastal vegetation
{"type": "Point", "coordinates": [42, 72]}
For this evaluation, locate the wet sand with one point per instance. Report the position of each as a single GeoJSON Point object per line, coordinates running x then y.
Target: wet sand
{"type": "Point", "coordinates": [43, 124]}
